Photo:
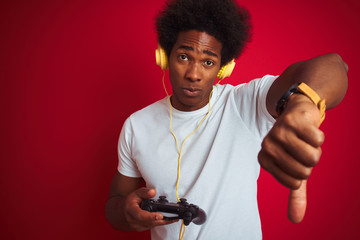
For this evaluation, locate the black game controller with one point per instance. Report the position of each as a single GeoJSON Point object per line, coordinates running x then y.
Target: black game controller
{"type": "Point", "coordinates": [182, 210]}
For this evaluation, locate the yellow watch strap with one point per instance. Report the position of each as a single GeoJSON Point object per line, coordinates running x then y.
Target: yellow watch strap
{"type": "Point", "coordinates": [320, 103]}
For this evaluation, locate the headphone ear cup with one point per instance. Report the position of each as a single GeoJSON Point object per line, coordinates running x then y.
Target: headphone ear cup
{"type": "Point", "coordinates": [226, 70]}
{"type": "Point", "coordinates": [161, 58]}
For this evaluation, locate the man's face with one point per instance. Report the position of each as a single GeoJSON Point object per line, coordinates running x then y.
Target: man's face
{"type": "Point", "coordinates": [193, 65]}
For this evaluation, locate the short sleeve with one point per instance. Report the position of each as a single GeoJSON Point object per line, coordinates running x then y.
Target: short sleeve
{"type": "Point", "coordinates": [252, 105]}
{"type": "Point", "coordinates": [127, 165]}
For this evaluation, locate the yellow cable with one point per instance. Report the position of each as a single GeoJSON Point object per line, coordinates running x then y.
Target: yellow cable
{"type": "Point", "coordinates": [182, 230]}
{"type": "Point", "coordinates": [163, 82]}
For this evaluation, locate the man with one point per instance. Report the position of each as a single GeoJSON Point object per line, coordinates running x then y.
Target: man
{"type": "Point", "coordinates": [202, 142]}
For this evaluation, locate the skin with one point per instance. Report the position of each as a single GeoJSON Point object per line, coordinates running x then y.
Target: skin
{"type": "Point", "coordinates": [193, 65]}
{"type": "Point", "coordinates": [123, 206]}
{"type": "Point", "coordinates": [293, 146]}
{"type": "Point", "coordinates": [289, 151]}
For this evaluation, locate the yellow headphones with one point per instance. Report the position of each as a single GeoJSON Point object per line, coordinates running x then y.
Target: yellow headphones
{"type": "Point", "coordinates": [161, 60]}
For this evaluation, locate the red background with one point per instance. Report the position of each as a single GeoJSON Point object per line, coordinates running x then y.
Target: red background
{"type": "Point", "coordinates": [72, 71]}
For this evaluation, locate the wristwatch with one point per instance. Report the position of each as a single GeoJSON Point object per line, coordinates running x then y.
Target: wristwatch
{"type": "Point", "coordinates": [304, 89]}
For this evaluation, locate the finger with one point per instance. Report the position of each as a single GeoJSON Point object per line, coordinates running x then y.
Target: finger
{"type": "Point", "coordinates": [297, 203]}
{"type": "Point", "coordinates": [164, 222]}
{"type": "Point", "coordinates": [281, 176]}
{"type": "Point", "coordinates": [303, 125]}
{"type": "Point", "coordinates": [299, 149]}
{"type": "Point", "coordinates": [311, 135]}
{"type": "Point", "coordinates": [142, 226]}
{"type": "Point", "coordinates": [135, 212]}
{"type": "Point", "coordinates": [149, 225]}
{"type": "Point", "coordinates": [144, 216]}
{"type": "Point", "coordinates": [273, 152]}
{"type": "Point", "coordinates": [145, 193]}
{"type": "Point", "coordinates": [141, 219]}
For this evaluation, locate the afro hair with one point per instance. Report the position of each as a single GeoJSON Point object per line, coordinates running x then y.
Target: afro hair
{"type": "Point", "coordinates": [223, 19]}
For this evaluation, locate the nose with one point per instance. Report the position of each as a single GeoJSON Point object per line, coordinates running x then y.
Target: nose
{"type": "Point", "coordinates": [194, 72]}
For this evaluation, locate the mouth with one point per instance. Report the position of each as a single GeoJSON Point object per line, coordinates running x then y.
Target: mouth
{"type": "Point", "coordinates": [191, 92]}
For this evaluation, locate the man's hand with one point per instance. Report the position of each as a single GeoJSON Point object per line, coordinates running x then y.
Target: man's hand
{"type": "Point", "coordinates": [123, 210]}
{"type": "Point", "coordinates": [292, 148]}
{"type": "Point", "coordinates": [138, 219]}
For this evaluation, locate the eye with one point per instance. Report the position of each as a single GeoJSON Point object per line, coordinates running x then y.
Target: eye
{"type": "Point", "coordinates": [209, 63]}
{"type": "Point", "coordinates": [183, 57]}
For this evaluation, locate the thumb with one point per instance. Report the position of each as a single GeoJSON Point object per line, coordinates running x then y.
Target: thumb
{"type": "Point", "coordinates": [297, 203]}
{"type": "Point", "coordinates": [145, 193]}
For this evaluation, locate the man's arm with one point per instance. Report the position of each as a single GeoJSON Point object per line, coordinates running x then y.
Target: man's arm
{"type": "Point", "coordinates": [326, 74]}
{"type": "Point", "coordinates": [123, 206]}
{"type": "Point", "coordinates": [292, 147]}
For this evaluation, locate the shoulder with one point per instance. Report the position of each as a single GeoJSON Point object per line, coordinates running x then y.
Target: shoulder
{"type": "Point", "coordinates": [257, 84]}
{"type": "Point", "coordinates": [253, 89]}
{"type": "Point", "coordinates": [152, 109]}
{"type": "Point", "coordinates": [149, 115]}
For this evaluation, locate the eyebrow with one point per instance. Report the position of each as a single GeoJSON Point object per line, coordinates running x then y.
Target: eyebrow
{"type": "Point", "coordinates": [208, 52]}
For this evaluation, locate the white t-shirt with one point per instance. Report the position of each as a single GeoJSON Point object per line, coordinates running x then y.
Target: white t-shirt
{"type": "Point", "coordinates": [219, 167]}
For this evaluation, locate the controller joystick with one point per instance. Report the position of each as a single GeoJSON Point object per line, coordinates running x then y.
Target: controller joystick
{"type": "Point", "coordinates": [162, 199]}
{"type": "Point", "coordinates": [182, 210]}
